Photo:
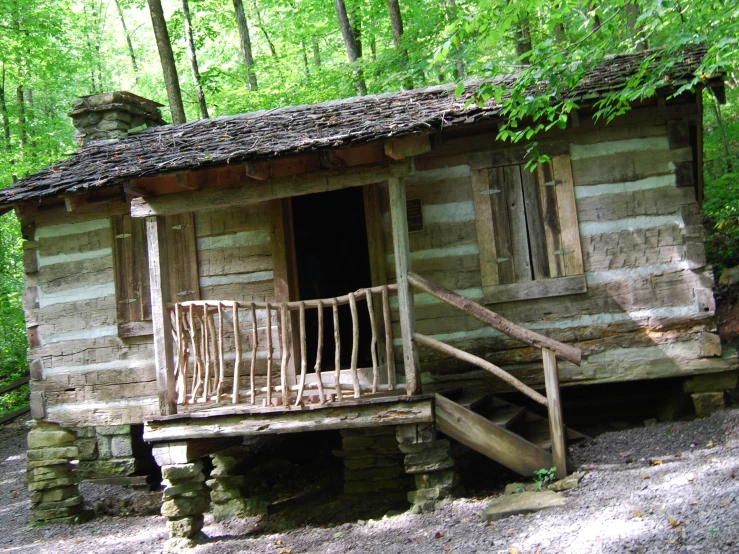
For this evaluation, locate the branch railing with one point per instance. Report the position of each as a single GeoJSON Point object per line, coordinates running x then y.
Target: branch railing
{"type": "Point", "coordinates": [550, 348]}
{"type": "Point", "coordinates": [219, 346]}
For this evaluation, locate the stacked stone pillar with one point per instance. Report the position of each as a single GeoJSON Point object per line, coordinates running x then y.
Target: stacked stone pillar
{"type": "Point", "coordinates": [430, 461]}
{"type": "Point", "coordinates": [51, 477]}
{"type": "Point", "coordinates": [372, 461]}
{"type": "Point", "coordinates": [186, 499]}
{"type": "Point", "coordinates": [226, 486]}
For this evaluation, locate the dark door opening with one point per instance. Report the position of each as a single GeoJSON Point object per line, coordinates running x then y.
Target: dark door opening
{"type": "Point", "coordinates": [332, 260]}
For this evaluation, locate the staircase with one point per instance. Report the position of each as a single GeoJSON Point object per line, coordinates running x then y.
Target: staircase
{"type": "Point", "coordinates": [511, 435]}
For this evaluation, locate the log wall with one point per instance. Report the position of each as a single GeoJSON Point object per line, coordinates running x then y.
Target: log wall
{"type": "Point", "coordinates": [648, 310]}
{"type": "Point", "coordinates": [85, 373]}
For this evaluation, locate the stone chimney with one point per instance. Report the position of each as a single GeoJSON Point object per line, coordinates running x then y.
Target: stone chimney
{"type": "Point", "coordinates": [111, 115]}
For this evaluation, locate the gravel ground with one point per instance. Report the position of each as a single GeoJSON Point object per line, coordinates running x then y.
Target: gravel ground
{"type": "Point", "coordinates": [668, 488]}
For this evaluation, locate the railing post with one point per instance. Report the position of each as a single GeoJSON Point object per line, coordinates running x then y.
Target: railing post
{"type": "Point", "coordinates": [156, 244]}
{"type": "Point", "coordinates": [556, 425]}
{"type": "Point", "coordinates": [401, 250]}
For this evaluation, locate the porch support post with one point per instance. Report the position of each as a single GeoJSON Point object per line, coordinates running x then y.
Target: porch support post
{"type": "Point", "coordinates": [162, 326]}
{"type": "Point", "coordinates": [402, 253]}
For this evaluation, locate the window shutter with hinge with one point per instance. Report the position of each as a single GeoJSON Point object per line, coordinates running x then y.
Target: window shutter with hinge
{"type": "Point", "coordinates": [131, 269]}
{"type": "Point", "coordinates": [131, 275]}
{"type": "Point", "coordinates": [527, 231]}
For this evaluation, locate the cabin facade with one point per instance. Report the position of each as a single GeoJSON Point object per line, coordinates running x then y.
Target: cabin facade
{"type": "Point", "coordinates": [346, 265]}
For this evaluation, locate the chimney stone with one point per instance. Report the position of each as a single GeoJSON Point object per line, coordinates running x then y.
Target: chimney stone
{"type": "Point", "coordinates": [111, 115]}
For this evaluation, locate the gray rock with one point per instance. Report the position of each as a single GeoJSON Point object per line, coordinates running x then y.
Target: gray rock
{"type": "Point", "coordinates": [523, 503]}
{"type": "Point", "coordinates": [729, 276]}
{"type": "Point", "coordinates": [568, 483]}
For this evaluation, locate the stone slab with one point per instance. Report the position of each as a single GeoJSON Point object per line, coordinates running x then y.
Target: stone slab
{"type": "Point", "coordinates": [522, 503]}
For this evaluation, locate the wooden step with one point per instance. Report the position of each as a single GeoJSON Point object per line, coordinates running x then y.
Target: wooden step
{"type": "Point", "coordinates": [507, 417]}
{"type": "Point", "coordinates": [489, 439]}
{"type": "Point", "coordinates": [471, 399]}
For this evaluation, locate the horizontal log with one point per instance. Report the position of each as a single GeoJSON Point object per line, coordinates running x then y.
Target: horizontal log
{"type": "Point", "coordinates": [503, 325]}
{"type": "Point", "coordinates": [15, 384]}
{"type": "Point", "coordinates": [260, 191]}
{"type": "Point", "coordinates": [347, 416]}
{"type": "Point", "coordinates": [479, 362]}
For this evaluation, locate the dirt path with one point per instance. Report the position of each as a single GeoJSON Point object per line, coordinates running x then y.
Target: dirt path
{"type": "Point", "coordinates": [671, 488]}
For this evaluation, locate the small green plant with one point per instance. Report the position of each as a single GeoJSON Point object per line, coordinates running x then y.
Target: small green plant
{"type": "Point", "coordinates": [543, 476]}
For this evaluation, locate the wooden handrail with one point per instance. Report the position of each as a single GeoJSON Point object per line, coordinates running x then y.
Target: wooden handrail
{"type": "Point", "coordinates": [564, 351]}
{"type": "Point", "coordinates": [484, 364]}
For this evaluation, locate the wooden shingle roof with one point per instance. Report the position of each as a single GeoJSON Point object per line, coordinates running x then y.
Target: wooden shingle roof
{"type": "Point", "coordinates": [278, 132]}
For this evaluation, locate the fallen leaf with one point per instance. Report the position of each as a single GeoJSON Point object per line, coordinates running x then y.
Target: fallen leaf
{"type": "Point", "coordinates": [733, 474]}
{"type": "Point", "coordinates": [673, 522]}
{"type": "Point", "coordinates": [723, 504]}
{"type": "Point", "coordinates": [438, 535]}
{"type": "Point", "coordinates": [447, 547]}
{"type": "Point", "coordinates": [338, 535]}
{"type": "Point", "coordinates": [655, 462]}
{"type": "Point", "coordinates": [419, 539]}
{"type": "Point", "coordinates": [512, 551]}
{"type": "Point", "coordinates": [286, 551]}
{"type": "Point", "coordinates": [694, 502]}
{"type": "Point", "coordinates": [713, 531]}
{"type": "Point", "coordinates": [645, 477]}
{"type": "Point", "coordinates": [625, 454]}
{"type": "Point", "coordinates": [709, 444]}
{"type": "Point", "coordinates": [466, 520]}
{"type": "Point", "coordinates": [690, 478]}
{"type": "Point", "coordinates": [278, 542]}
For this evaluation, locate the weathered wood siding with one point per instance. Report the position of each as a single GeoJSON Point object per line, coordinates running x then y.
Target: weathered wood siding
{"type": "Point", "coordinates": [648, 310]}
{"type": "Point", "coordinates": [88, 375]}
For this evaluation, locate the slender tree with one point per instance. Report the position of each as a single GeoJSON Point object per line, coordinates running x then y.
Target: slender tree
{"type": "Point", "coordinates": [632, 17]}
{"type": "Point", "coordinates": [251, 76]}
{"type": "Point", "coordinates": [396, 22]}
{"type": "Point", "coordinates": [260, 24]}
{"type": "Point", "coordinates": [451, 6]}
{"type": "Point", "coordinates": [131, 52]}
{"type": "Point", "coordinates": [169, 69]}
{"type": "Point", "coordinates": [353, 46]}
{"type": "Point", "coordinates": [192, 54]}
{"type": "Point", "coordinates": [21, 108]}
{"type": "Point", "coordinates": [4, 112]}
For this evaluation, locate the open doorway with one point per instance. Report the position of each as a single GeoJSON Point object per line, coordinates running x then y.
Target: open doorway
{"type": "Point", "coordinates": [332, 260]}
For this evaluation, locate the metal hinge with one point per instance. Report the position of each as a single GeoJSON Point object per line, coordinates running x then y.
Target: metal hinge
{"type": "Point", "coordinates": [185, 292]}
{"type": "Point", "coordinates": [488, 192]}
{"type": "Point", "coordinates": [552, 183]}
{"type": "Point", "coordinates": [501, 260]}
{"type": "Point", "coordinates": [179, 227]}
{"type": "Point", "coordinates": [563, 251]}
{"type": "Point", "coordinates": [128, 301]}
{"type": "Point", "coordinates": [123, 236]}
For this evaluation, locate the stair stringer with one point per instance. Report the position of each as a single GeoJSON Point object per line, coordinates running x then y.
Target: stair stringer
{"type": "Point", "coordinates": [478, 433]}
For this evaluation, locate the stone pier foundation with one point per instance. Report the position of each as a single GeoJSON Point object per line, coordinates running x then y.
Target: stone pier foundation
{"type": "Point", "coordinates": [372, 461]}
{"type": "Point", "coordinates": [51, 477]}
{"type": "Point", "coordinates": [186, 499]}
{"type": "Point", "coordinates": [708, 391]}
{"type": "Point", "coordinates": [226, 486]}
{"type": "Point", "coordinates": [430, 462]}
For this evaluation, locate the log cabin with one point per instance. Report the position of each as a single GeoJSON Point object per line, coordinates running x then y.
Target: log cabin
{"type": "Point", "coordinates": [377, 265]}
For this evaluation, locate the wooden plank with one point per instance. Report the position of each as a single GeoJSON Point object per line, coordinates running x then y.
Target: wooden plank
{"type": "Point", "coordinates": [15, 413]}
{"type": "Point", "coordinates": [502, 234]}
{"type": "Point", "coordinates": [130, 269]}
{"type": "Point", "coordinates": [550, 217]}
{"type": "Point", "coordinates": [627, 166]}
{"type": "Point", "coordinates": [535, 224]}
{"type": "Point", "coordinates": [406, 147]}
{"type": "Point", "coordinates": [567, 213]}
{"type": "Point", "coordinates": [184, 283]}
{"type": "Point", "coordinates": [258, 191]}
{"type": "Point", "coordinates": [474, 309]}
{"type": "Point", "coordinates": [476, 432]}
{"type": "Point", "coordinates": [512, 186]}
{"type": "Point", "coordinates": [162, 326]}
{"type": "Point", "coordinates": [554, 406]}
{"type": "Point", "coordinates": [15, 384]}
{"type": "Point", "coordinates": [347, 416]}
{"type": "Point", "coordinates": [484, 226]}
{"type": "Point", "coordinates": [182, 452]}
{"type": "Point", "coordinates": [285, 273]}
{"type": "Point", "coordinates": [398, 216]}
{"type": "Point", "coordinates": [561, 286]}
{"type": "Point", "coordinates": [375, 242]}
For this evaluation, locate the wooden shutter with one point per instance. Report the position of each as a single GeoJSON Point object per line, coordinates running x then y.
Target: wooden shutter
{"type": "Point", "coordinates": [527, 231]}
{"type": "Point", "coordinates": [182, 254]}
{"type": "Point", "coordinates": [131, 269]}
{"type": "Point", "coordinates": [131, 274]}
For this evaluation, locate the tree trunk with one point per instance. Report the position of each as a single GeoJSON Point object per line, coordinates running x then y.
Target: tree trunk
{"type": "Point", "coordinates": [396, 21]}
{"type": "Point", "coordinates": [169, 69]}
{"type": "Point", "coordinates": [4, 113]}
{"type": "Point", "coordinates": [194, 60]}
{"type": "Point", "coordinates": [458, 61]}
{"type": "Point", "coordinates": [251, 76]}
{"type": "Point", "coordinates": [523, 38]}
{"type": "Point", "coordinates": [20, 105]}
{"type": "Point", "coordinates": [304, 55]}
{"type": "Point", "coordinates": [632, 15]}
{"type": "Point", "coordinates": [596, 18]}
{"type": "Point", "coordinates": [724, 138]}
{"type": "Point", "coordinates": [262, 28]}
{"type": "Point", "coordinates": [131, 52]}
{"type": "Point", "coordinates": [353, 52]}
{"type": "Point", "coordinates": [316, 52]}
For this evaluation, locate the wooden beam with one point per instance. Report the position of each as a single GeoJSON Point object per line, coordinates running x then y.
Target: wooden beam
{"type": "Point", "coordinates": [161, 324]}
{"type": "Point", "coordinates": [260, 171]}
{"type": "Point", "coordinates": [352, 416]}
{"type": "Point", "coordinates": [401, 248]}
{"type": "Point", "coordinates": [473, 430]}
{"type": "Point", "coordinates": [259, 191]}
{"type": "Point", "coordinates": [285, 271]}
{"type": "Point", "coordinates": [136, 191]}
{"type": "Point", "coordinates": [76, 201]}
{"type": "Point", "coordinates": [554, 405]}
{"type": "Point", "coordinates": [407, 147]}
